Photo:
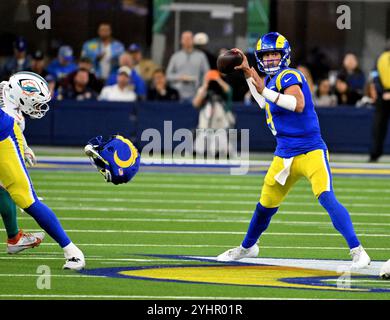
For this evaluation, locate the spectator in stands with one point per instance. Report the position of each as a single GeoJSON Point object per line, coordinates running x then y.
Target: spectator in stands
{"type": "Point", "coordinates": [306, 72]}
{"type": "Point", "coordinates": [160, 90]}
{"type": "Point", "coordinates": [78, 88]}
{"type": "Point", "coordinates": [140, 88]}
{"type": "Point", "coordinates": [381, 79]}
{"type": "Point", "coordinates": [353, 75]}
{"type": "Point", "coordinates": [103, 51]}
{"type": "Point", "coordinates": [143, 66]}
{"type": "Point", "coordinates": [318, 63]}
{"type": "Point", "coordinates": [63, 65]}
{"type": "Point", "coordinates": [213, 99]}
{"type": "Point", "coordinates": [94, 83]}
{"type": "Point", "coordinates": [86, 64]}
{"type": "Point", "coordinates": [344, 95]}
{"type": "Point", "coordinates": [201, 41]}
{"type": "Point", "coordinates": [370, 95]}
{"type": "Point", "coordinates": [38, 64]}
{"type": "Point", "coordinates": [187, 67]}
{"type": "Point", "coordinates": [18, 62]}
{"type": "Point", "coordinates": [323, 96]}
{"type": "Point", "coordinates": [123, 90]}
{"type": "Point", "coordinates": [52, 85]}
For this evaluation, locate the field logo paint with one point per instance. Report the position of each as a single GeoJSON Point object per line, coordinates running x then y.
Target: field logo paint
{"type": "Point", "coordinates": [255, 272]}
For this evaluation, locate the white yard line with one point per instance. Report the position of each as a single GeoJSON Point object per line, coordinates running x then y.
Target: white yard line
{"type": "Point", "coordinates": [158, 178]}
{"type": "Point", "coordinates": [204, 186]}
{"type": "Point", "coordinates": [146, 245]}
{"type": "Point", "coordinates": [182, 232]}
{"type": "Point", "coordinates": [198, 194]}
{"type": "Point", "coordinates": [38, 257]}
{"type": "Point", "coordinates": [246, 221]}
{"type": "Point", "coordinates": [222, 211]}
{"type": "Point", "coordinates": [383, 283]}
{"type": "Point", "coordinates": [202, 201]}
{"type": "Point", "coordinates": [51, 275]}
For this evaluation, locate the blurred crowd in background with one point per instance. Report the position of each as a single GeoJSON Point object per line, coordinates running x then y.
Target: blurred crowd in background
{"type": "Point", "coordinates": [107, 69]}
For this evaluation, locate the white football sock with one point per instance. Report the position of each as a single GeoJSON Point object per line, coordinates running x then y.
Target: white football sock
{"type": "Point", "coordinates": [71, 250]}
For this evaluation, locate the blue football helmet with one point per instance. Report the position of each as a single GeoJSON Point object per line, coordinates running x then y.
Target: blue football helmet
{"type": "Point", "coordinates": [271, 42]}
{"type": "Point", "coordinates": [116, 159]}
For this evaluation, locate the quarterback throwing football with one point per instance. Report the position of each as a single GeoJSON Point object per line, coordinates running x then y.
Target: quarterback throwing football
{"type": "Point", "coordinates": [300, 151]}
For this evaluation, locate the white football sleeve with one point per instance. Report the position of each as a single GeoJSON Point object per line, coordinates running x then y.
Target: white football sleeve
{"type": "Point", "coordinates": [257, 96]}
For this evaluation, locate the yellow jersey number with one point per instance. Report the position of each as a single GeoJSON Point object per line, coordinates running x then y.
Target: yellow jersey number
{"type": "Point", "coordinates": [270, 123]}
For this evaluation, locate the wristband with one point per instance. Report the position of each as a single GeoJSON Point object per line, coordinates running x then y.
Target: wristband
{"type": "Point", "coordinates": [285, 101]}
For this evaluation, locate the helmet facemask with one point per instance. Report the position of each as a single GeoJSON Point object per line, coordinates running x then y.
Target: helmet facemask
{"type": "Point", "coordinates": [39, 110]}
{"type": "Point", "coordinates": [275, 67]}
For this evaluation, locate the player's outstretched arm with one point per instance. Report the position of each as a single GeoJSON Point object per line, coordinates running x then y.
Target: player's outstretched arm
{"type": "Point", "coordinates": [244, 66]}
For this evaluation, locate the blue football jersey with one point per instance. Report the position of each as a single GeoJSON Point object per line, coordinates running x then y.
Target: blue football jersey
{"type": "Point", "coordinates": [296, 133]}
{"type": "Point", "coordinates": [6, 124]}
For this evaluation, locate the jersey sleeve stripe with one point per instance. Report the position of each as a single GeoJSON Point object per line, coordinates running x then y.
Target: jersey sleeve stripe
{"type": "Point", "coordinates": [282, 74]}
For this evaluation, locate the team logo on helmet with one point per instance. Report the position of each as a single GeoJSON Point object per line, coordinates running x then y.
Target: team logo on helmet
{"type": "Point", "coordinates": [133, 154]}
{"type": "Point", "coordinates": [29, 87]}
{"type": "Point", "coordinates": [272, 42]}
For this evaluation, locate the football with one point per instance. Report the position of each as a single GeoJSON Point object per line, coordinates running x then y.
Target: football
{"type": "Point", "coordinates": [228, 60]}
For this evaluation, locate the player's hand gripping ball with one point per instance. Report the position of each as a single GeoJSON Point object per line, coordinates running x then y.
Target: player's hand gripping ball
{"type": "Point", "coordinates": [116, 159]}
{"type": "Point", "coordinates": [228, 60]}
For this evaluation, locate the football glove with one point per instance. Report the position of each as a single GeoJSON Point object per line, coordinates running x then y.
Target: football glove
{"type": "Point", "coordinates": [29, 157]}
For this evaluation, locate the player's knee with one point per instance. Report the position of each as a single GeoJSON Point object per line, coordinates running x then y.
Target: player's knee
{"type": "Point", "coordinates": [327, 199]}
{"type": "Point", "coordinates": [22, 199]}
{"type": "Point", "coordinates": [261, 210]}
{"type": "Point", "coordinates": [22, 202]}
{"type": "Point", "coordinates": [319, 189]}
{"type": "Point", "coordinates": [269, 201]}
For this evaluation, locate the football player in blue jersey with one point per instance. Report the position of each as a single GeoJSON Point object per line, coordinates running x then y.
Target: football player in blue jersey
{"type": "Point", "coordinates": [29, 92]}
{"type": "Point", "coordinates": [300, 152]}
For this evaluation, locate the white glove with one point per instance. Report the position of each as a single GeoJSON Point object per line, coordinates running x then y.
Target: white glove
{"type": "Point", "coordinates": [106, 174]}
{"type": "Point", "coordinates": [29, 157]}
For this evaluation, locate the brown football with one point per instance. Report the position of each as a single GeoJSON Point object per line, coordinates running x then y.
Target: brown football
{"type": "Point", "coordinates": [228, 60]}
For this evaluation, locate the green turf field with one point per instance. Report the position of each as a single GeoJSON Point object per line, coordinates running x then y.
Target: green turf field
{"type": "Point", "coordinates": [175, 215]}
